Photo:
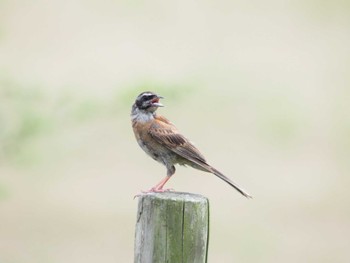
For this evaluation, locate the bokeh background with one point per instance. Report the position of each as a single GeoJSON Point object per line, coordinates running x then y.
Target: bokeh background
{"type": "Point", "coordinates": [262, 88]}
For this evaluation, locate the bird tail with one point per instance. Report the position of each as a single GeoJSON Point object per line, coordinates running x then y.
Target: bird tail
{"type": "Point", "coordinates": [227, 180]}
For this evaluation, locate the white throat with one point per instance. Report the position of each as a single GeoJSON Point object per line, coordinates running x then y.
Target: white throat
{"type": "Point", "coordinates": [141, 116]}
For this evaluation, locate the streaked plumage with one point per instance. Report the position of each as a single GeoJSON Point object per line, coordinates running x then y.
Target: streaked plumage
{"type": "Point", "coordinates": [160, 139]}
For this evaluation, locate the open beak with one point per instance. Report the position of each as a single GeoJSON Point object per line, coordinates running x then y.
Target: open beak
{"type": "Point", "coordinates": [156, 102]}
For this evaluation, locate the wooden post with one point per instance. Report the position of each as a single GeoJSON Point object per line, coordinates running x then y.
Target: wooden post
{"type": "Point", "coordinates": [172, 227]}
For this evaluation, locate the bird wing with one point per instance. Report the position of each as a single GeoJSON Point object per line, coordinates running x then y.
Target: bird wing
{"type": "Point", "coordinates": [165, 133]}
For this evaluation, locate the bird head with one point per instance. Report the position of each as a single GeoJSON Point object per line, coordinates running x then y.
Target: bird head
{"type": "Point", "coordinates": [148, 101]}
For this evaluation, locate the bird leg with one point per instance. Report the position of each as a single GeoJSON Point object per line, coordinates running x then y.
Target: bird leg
{"type": "Point", "coordinates": [159, 187]}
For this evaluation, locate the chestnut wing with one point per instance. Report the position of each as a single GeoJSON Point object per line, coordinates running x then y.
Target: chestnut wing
{"type": "Point", "coordinates": [167, 135]}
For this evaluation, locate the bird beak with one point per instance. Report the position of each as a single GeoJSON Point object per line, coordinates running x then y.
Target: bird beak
{"type": "Point", "coordinates": [157, 103]}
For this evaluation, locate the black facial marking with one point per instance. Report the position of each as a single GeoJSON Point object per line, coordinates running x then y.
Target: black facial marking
{"type": "Point", "coordinates": [148, 97]}
{"type": "Point", "coordinates": [138, 103]}
{"type": "Point", "coordinates": [143, 101]}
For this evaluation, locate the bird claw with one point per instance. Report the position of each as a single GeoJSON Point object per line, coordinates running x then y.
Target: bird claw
{"type": "Point", "coordinates": [154, 190]}
{"type": "Point", "coordinates": [157, 190]}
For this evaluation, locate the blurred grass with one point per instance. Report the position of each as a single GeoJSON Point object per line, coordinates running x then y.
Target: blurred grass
{"type": "Point", "coordinates": [22, 118]}
{"type": "Point", "coordinates": [28, 114]}
{"type": "Point", "coordinates": [279, 120]}
{"type": "Point", "coordinates": [4, 192]}
{"type": "Point", "coordinates": [262, 88]}
{"type": "Point", "coordinates": [323, 11]}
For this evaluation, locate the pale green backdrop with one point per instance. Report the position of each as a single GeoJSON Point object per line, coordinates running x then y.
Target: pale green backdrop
{"type": "Point", "coordinates": [261, 88]}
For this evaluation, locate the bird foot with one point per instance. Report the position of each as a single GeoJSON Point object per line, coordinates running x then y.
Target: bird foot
{"type": "Point", "coordinates": [158, 190]}
{"type": "Point", "coordinates": [154, 190]}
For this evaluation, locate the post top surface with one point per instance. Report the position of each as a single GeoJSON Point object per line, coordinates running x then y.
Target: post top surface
{"type": "Point", "coordinates": [176, 196]}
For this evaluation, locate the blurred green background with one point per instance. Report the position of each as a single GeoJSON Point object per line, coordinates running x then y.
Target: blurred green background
{"type": "Point", "coordinates": [262, 88]}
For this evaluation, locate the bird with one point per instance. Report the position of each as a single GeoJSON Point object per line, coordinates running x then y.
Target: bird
{"type": "Point", "coordinates": [162, 141]}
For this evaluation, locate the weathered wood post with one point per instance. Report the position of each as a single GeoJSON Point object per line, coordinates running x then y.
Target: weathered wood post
{"type": "Point", "coordinates": [172, 227]}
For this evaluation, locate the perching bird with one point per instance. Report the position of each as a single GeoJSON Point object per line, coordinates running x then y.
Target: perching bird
{"type": "Point", "coordinates": [160, 139]}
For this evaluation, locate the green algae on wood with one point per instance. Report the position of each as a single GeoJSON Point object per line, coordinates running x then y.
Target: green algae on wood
{"type": "Point", "coordinates": [172, 227]}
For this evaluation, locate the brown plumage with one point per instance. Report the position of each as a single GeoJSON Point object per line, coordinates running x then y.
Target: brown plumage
{"type": "Point", "coordinates": [160, 139]}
